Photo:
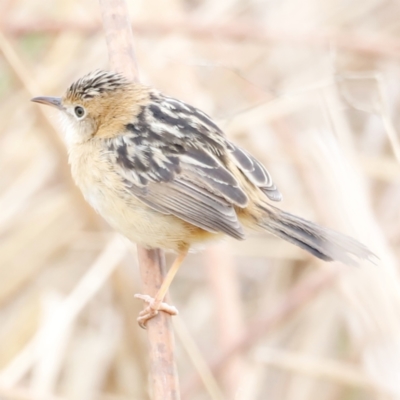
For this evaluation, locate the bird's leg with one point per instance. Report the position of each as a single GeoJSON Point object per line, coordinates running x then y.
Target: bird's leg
{"type": "Point", "coordinates": [156, 304]}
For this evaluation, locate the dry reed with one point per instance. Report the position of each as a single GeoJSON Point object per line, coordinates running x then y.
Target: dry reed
{"type": "Point", "coordinates": [313, 92]}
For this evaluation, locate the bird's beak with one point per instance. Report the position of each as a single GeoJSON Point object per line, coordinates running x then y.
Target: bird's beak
{"type": "Point", "coordinates": [49, 101]}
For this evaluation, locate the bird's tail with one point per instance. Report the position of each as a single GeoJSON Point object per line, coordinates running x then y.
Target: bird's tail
{"type": "Point", "coordinates": [323, 243]}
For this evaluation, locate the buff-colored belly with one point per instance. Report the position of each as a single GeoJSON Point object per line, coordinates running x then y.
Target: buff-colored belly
{"type": "Point", "coordinates": [143, 225]}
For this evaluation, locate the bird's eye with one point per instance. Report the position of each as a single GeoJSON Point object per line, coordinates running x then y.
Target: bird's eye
{"type": "Point", "coordinates": [79, 111]}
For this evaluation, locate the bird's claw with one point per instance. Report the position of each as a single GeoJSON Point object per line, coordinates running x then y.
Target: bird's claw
{"type": "Point", "coordinates": [152, 309]}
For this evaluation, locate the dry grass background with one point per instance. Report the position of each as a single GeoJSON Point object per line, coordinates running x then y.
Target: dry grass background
{"type": "Point", "coordinates": [311, 88]}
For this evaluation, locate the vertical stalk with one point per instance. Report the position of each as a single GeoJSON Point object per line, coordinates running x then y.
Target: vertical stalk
{"type": "Point", "coordinates": [163, 372]}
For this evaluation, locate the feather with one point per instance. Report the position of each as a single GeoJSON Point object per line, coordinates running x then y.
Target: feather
{"type": "Point", "coordinates": [255, 172]}
{"type": "Point", "coordinates": [323, 243]}
{"type": "Point", "coordinates": [175, 159]}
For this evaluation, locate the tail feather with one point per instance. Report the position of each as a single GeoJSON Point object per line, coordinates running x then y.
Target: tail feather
{"type": "Point", "coordinates": [323, 243]}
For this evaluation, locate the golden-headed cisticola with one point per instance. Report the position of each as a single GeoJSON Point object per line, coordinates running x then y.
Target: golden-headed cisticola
{"type": "Point", "coordinates": [163, 174]}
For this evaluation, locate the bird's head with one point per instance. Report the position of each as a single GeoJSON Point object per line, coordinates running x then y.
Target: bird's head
{"type": "Point", "coordinates": [97, 105]}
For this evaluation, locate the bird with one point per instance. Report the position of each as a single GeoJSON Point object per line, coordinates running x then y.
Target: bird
{"type": "Point", "coordinates": [164, 174]}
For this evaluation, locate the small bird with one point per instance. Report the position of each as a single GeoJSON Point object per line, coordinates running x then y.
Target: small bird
{"type": "Point", "coordinates": [163, 174]}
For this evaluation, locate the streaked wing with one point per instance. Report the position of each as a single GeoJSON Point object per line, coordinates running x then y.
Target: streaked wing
{"type": "Point", "coordinates": [174, 158]}
{"type": "Point", "coordinates": [255, 172]}
{"type": "Point", "coordinates": [202, 194]}
{"type": "Point", "coordinates": [170, 159]}
{"type": "Point", "coordinates": [195, 205]}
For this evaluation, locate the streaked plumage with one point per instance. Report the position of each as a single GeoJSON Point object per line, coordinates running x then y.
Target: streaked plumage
{"type": "Point", "coordinates": [164, 174]}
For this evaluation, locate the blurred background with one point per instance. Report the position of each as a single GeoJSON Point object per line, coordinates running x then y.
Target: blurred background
{"type": "Point", "coordinates": [312, 88]}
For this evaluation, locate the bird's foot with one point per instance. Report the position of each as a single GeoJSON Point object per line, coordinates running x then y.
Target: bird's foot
{"type": "Point", "coordinates": [152, 309]}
